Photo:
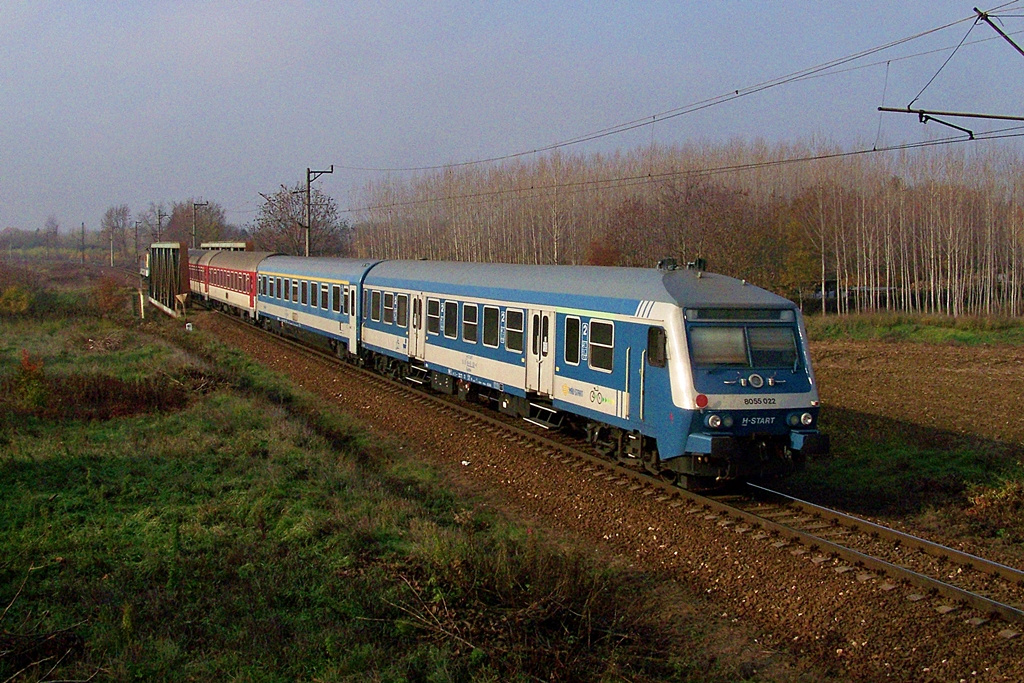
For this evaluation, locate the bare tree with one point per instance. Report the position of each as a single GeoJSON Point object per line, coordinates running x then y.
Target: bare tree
{"type": "Point", "coordinates": [114, 228]}
{"type": "Point", "coordinates": [280, 224]}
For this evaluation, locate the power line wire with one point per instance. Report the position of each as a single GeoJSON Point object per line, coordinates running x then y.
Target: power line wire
{"type": "Point", "coordinates": [723, 98]}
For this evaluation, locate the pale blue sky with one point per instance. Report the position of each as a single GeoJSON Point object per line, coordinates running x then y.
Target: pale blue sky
{"type": "Point", "coordinates": [103, 102]}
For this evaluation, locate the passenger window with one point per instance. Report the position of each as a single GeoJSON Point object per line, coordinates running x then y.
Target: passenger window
{"type": "Point", "coordinates": [287, 290]}
{"type": "Point", "coordinates": [572, 341]}
{"type": "Point", "coordinates": [491, 326]}
{"type": "Point", "coordinates": [295, 291]}
{"type": "Point", "coordinates": [402, 309]}
{"type": "Point", "coordinates": [323, 297]}
{"type": "Point", "coordinates": [657, 354]}
{"type": "Point", "coordinates": [305, 292]}
{"type": "Point", "coordinates": [602, 345]}
{"type": "Point", "coordinates": [469, 322]}
{"type": "Point", "coordinates": [514, 331]}
{"type": "Point", "coordinates": [544, 336]}
{"type": "Point", "coordinates": [336, 298]}
{"type": "Point", "coordinates": [433, 316]}
{"type": "Point", "coordinates": [389, 308]}
{"type": "Point", "coordinates": [366, 304]}
{"type": "Point", "coordinates": [375, 305]}
{"type": "Point", "coordinates": [451, 319]}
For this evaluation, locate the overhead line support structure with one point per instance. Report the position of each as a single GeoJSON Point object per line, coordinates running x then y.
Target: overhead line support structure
{"type": "Point", "coordinates": [194, 205]}
{"type": "Point", "coordinates": [926, 115]}
{"type": "Point", "coordinates": [311, 175]}
{"type": "Point", "coordinates": [984, 17]}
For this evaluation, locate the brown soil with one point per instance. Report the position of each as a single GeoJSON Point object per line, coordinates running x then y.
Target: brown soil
{"type": "Point", "coordinates": [780, 613]}
{"type": "Point", "coordinates": [955, 390]}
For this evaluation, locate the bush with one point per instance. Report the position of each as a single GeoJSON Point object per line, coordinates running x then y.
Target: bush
{"type": "Point", "coordinates": [14, 300]}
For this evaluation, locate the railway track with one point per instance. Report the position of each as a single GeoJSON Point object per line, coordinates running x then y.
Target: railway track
{"type": "Point", "coordinates": [866, 551]}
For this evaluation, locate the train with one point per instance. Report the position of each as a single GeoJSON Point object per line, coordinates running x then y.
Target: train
{"type": "Point", "coordinates": [696, 377]}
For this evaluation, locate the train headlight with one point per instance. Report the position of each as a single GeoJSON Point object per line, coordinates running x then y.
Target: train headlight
{"type": "Point", "coordinates": [806, 419]}
{"type": "Point", "coordinates": [719, 421]}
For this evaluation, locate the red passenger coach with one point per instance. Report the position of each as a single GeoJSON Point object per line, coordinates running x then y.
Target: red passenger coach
{"type": "Point", "coordinates": [226, 279]}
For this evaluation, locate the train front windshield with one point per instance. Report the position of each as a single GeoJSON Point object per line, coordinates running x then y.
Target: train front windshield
{"type": "Point", "coordinates": [723, 343]}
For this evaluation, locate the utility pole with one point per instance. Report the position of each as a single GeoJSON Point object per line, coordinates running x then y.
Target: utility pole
{"type": "Point", "coordinates": [83, 243]}
{"type": "Point", "coordinates": [111, 246]}
{"type": "Point", "coordinates": [137, 242]}
{"type": "Point", "coordinates": [311, 175]}
{"type": "Point", "coordinates": [194, 205]}
{"type": "Point", "coordinates": [159, 219]}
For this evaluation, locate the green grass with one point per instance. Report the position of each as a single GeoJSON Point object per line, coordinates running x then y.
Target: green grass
{"type": "Point", "coordinates": [250, 535]}
{"type": "Point", "coordinates": [878, 466]}
{"type": "Point", "coordinates": [968, 331]}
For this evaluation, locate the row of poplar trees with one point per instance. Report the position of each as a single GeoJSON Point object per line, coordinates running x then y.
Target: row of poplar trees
{"type": "Point", "coordinates": [934, 230]}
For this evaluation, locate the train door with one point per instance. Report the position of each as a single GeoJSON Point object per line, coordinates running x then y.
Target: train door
{"type": "Point", "coordinates": [347, 316]}
{"type": "Point", "coordinates": [417, 333]}
{"type": "Point", "coordinates": [655, 388]}
{"type": "Point", "coordinates": [540, 357]}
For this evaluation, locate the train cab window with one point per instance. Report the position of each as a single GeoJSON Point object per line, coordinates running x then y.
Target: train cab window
{"type": "Point", "coordinates": [602, 345]}
{"type": "Point", "coordinates": [491, 318]}
{"type": "Point", "coordinates": [433, 316]}
{"type": "Point", "coordinates": [470, 312]}
{"type": "Point", "coordinates": [657, 353]}
{"type": "Point", "coordinates": [451, 319]}
{"type": "Point", "coordinates": [402, 310]}
{"type": "Point", "coordinates": [389, 308]}
{"type": "Point", "coordinates": [323, 297]}
{"type": "Point", "coordinates": [710, 346]}
{"type": "Point", "coordinates": [375, 305]}
{"type": "Point", "coordinates": [336, 298]}
{"type": "Point", "coordinates": [772, 347]}
{"type": "Point", "coordinates": [295, 291]}
{"type": "Point", "coordinates": [514, 331]}
{"type": "Point", "coordinates": [572, 341]}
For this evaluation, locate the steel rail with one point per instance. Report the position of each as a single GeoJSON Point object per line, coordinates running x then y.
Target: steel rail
{"type": "Point", "coordinates": [960, 557]}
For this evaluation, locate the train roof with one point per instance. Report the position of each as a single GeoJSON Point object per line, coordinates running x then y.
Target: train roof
{"type": "Point", "coordinates": [321, 268]}
{"type": "Point", "coordinates": [587, 285]}
{"type": "Point", "coordinates": [235, 260]}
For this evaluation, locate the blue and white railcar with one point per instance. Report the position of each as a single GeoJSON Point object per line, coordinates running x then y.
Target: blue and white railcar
{"type": "Point", "coordinates": [318, 295]}
{"type": "Point", "coordinates": [691, 373]}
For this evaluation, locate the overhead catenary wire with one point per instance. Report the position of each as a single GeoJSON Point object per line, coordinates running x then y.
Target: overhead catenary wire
{"type": "Point", "coordinates": [824, 68]}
